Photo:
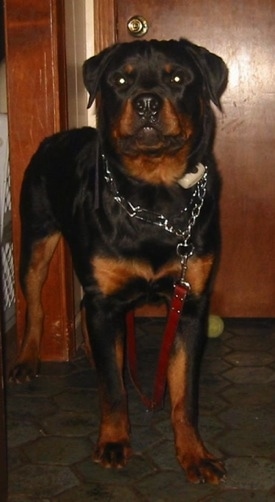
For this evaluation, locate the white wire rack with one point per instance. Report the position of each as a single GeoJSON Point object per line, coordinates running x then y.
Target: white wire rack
{"type": "Point", "coordinates": [7, 266]}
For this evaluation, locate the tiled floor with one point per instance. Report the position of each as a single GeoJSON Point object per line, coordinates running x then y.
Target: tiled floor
{"type": "Point", "coordinates": [52, 427]}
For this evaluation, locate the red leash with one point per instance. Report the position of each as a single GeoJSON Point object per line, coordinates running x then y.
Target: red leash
{"type": "Point", "coordinates": [181, 290]}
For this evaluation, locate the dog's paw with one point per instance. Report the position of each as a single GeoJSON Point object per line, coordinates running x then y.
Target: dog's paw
{"type": "Point", "coordinates": [204, 470]}
{"type": "Point", "coordinates": [24, 372]}
{"type": "Point", "coordinates": [114, 454]}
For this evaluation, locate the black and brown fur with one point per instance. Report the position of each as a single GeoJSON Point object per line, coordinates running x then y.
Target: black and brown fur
{"type": "Point", "coordinates": [155, 123]}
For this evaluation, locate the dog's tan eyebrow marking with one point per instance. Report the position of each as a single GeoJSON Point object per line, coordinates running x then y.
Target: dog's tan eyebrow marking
{"type": "Point", "coordinates": [168, 68]}
{"type": "Point", "coordinates": [112, 274]}
{"type": "Point", "coordinates": [128, 68]}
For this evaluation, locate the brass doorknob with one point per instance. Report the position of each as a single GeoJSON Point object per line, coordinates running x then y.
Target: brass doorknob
{"type": "Point", "coordinates": [137, 26]}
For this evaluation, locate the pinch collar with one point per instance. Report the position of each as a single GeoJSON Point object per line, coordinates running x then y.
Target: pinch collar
{"type": "Point", "coordinates": [161, 220]}
{"type": "Point", "coordinates": [190, 179]}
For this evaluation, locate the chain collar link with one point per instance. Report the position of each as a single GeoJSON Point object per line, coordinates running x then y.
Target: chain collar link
{"type": "Point", "coordinates": [186, 247]}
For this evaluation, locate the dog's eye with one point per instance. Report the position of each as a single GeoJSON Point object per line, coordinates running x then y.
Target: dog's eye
{"type": "Point", "coordinates": [176, 79]}
{"type": "Point", "coordinates": [120, 80]}
{"type": "Point", "coordinates": [179, 77]}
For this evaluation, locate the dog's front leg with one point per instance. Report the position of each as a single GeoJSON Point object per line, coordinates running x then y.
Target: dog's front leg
{"type": "Point", "coordinates": [107, 342]}
{"type": "Point", "coordinates": [183, 375]}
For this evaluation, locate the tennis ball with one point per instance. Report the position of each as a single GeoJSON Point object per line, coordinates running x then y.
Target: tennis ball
{"type": "Point", "coordinates": [215, 326]}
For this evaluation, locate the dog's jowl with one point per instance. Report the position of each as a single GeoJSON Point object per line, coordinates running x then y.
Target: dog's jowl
{"type": "Point", "coordinates": [137, 200]}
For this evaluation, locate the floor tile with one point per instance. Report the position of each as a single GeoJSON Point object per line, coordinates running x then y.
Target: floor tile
{"type": "Point", "coordinates": [53, 426]}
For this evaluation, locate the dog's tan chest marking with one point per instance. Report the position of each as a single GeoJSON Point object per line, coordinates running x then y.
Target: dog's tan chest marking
{"type": "Point", "coordinates": [112, 275]}
{"type": "Point", "coordinates": [198, 272]}
{"type": "Point", "coordinates": [166, 169]}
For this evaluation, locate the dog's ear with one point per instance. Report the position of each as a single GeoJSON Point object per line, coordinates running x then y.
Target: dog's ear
{"type": "Point", "coordinates": [214, 72]}
{"type": "Point", "coordinates": [93, 69]}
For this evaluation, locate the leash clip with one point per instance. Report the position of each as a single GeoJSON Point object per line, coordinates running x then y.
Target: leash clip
{"type": "Point", "coordinates": [184, 251]}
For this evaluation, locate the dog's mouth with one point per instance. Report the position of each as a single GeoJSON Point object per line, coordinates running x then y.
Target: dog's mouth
{"type": "Point", "coordinates": [151, 140]}
{"type": "Point", "coordinates": [149, 137]}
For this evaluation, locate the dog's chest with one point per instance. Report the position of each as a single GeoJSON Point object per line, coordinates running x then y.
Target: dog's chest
{"type": "Point", "coordinates": [114, 275]}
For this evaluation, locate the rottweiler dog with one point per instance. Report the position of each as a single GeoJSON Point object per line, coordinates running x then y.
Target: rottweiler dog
{"type": "Point", "coordinates": [133, 198]}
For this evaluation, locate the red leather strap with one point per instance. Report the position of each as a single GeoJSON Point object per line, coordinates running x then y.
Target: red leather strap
{"type": "Point", "coordinates": [178, 299]}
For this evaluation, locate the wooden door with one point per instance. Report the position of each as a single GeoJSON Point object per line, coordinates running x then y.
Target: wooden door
{"type": "Point", "coordinates": [243, 34]}
{"type": "Point", "coordinates": [36, 79]}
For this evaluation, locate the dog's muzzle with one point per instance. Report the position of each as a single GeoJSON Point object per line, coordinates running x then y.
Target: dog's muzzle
{"type": "Point", "coordinates": [147, 106]}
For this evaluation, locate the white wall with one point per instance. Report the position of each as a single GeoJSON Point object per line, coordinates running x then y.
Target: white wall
{"type": "Point", "coordinates": [3, 90]}
{"type": "Point", "coordinates": [79, 18]}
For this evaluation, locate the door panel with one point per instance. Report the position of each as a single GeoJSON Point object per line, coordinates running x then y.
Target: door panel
{"type": "Point", "coordinates": [35, 58]}
{"type": "Point", "coordinates": [244, 145]}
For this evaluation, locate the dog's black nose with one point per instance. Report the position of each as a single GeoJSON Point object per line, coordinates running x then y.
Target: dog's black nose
{"type": "Point", "coordinates": [147, 105]}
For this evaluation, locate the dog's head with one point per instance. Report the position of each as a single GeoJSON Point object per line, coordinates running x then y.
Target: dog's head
{"type": "Point", "coordinates": [154, 104]}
